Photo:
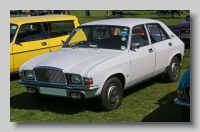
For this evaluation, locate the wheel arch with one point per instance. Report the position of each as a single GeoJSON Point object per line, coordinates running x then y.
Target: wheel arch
{"type": "Point", "coordinates": [121, 78]}
{"type": "Point", "coordinates": [178, 55]}
{"type": "Point", "coordinates": [118, 75]}
{"type": "Point", "coordinates": [172, 71]}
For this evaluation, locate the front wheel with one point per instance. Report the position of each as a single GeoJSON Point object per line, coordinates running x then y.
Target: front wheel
{"type": "Point", "coordinates": [111, 94]}
{"type": "Point", "coordinates": [173, 71]}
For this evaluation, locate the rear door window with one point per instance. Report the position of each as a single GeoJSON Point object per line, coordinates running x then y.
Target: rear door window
{"type": "Point", "coordinates": [58, 28]}
{"type": "Point", "coordinates": [156, 33]}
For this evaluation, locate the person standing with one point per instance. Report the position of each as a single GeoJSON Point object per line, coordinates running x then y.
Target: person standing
{"type": "Point", "coordinates": [17, 12]}
{"type": "Point", "coordinates": [68, 12]}
{"type": "Point", "coordinates": [158, 12]}
{"type": "Point", "coordinates": [62, 12]}
{"type": "Point", "coordinates": [87, 12]}
{"type": "Point", "coordinates": [107, 12]}
{"type": "Point", "coordinates": [28, 13]}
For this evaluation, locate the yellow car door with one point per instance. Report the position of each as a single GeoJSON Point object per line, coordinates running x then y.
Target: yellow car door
{"type": "Point", "coordinates": [11, 59]}
{"type": "Point", "coordinates": [30, 42]}
{"type": "Point", "coordinates": [13, 30]}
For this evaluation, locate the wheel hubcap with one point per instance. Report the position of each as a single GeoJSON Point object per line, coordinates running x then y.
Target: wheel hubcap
{"type": "Point", "coordinates": [175, 69]}
{"type": "Point", "coordinates": [113, 94]}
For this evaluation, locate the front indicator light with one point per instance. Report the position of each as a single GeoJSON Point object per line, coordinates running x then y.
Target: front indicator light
{"type": "Point", "coordinates": [88, 81]}
{"type": "Point", "coordinates": [180, 94]}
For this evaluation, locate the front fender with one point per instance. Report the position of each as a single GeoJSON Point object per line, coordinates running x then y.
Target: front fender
{"type": "Point", "coordinates": [101, 77]}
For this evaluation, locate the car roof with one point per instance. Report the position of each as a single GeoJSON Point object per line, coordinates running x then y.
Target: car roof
{"type": "Point", "coordinates": [22, 20]}
{"type": "Point", "coordinates": [129, 22]}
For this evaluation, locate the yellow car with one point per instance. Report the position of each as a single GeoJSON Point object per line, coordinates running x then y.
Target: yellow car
{"type": "Point", "coordinates": [36, 35]}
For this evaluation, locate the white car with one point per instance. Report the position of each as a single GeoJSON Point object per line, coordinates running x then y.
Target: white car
{"type": "Point", "coordinates": [103, 58]}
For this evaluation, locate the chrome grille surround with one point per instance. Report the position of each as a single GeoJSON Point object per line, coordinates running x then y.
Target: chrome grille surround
{"type": "Point", "coordinates": [52, 75]}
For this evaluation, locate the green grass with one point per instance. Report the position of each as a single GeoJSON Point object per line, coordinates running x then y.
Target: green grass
{"type": "Point", "coordinates": [151, 101]}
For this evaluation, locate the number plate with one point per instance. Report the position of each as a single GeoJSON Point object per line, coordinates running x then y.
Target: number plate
{"type": "Point", "coordinates": [185, 35]}
{"type": "Point", "coordinates": [53, 91]}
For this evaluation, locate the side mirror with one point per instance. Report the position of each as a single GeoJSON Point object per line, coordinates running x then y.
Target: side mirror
{"type": "Point", "coordinates": [19, 40]}
{"type": "Point", "coordinates": [135, 46]}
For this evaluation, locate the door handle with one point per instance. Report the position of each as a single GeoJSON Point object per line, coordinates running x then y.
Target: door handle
{"type": "Point", "coordinates": [150, 50]}
{"type": "Point", "coordinates": [43, 43]}
{"type": "Point", "coordinates": [170, 44]}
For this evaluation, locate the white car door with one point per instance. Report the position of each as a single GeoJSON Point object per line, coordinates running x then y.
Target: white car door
{"type": "Point", "coordinates": [142, 58]}
{"type": "Point", "coordinates": [162, 45]}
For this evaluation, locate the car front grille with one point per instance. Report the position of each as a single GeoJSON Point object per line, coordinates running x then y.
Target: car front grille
{"type": "Point", "coordinates": [50, 75]}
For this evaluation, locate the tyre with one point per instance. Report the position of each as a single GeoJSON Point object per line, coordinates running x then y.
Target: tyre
{"type": "Point", "coordinates": [173, 71]}
{"type": "Point", "coordinates": [111, 95]}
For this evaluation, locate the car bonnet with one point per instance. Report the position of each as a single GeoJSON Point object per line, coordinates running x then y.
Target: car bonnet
{"type": "Point", "coordinates": [72, 60]}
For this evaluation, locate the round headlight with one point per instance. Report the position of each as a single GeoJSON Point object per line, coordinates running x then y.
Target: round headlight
{"type": "Point", "coordinates": [76, 79]}
{"type": "Point", "coordinates": [29, 75]}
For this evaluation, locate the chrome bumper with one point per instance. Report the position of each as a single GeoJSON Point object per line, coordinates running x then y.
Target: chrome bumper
{"type": "Point", "coordinates": [83, 91]}
{"type": "Point", "coordinates": [68, 87]}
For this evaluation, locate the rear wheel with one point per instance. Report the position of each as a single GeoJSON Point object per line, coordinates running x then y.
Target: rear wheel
{"type": "Point", "coordinates": [173, 71]}
{"type": "Point", "coordinates": [111, 95]}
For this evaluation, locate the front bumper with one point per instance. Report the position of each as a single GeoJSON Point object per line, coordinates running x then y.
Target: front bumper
{"type": "Point", "coordinates": [85, 91]}
{"type": "Point", "coordinates": [182, 102]}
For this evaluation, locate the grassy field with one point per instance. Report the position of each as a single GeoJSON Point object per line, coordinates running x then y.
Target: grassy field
{"type": "Point", "coordinates": [151, 101]}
